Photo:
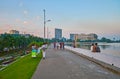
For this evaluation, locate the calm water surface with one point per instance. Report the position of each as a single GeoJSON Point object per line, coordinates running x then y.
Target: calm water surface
{"type": "Point", "coordinates": [111, 48]}
{"type": "Point", "coordinates": [107, 48]}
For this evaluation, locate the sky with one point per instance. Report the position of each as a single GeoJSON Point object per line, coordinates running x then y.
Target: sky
{"type": "Point", "coordinates": [101, 17]}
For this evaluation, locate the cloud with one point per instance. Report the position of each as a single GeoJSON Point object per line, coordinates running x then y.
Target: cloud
{"type": "Point", "coordinates": [37, 17]}
{"type": "Point", "coordinates": [25, 22]}
{"type": "Point", "coordinates": [28, 23]}
{"type": "Point", "coordinates": [21, 4]}
{"type": "Point", "coordinates": [17, 20]}
{"type": "Point", "coordinates": [25, 12]}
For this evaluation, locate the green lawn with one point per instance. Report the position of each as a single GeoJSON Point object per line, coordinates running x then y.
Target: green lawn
{"type": "Point", "coordinates": [21, 69]}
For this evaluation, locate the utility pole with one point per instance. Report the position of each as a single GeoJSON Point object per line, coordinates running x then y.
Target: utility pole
{"type": "Point", "coordinates": [47, 33]}
{"type": "Point", "coordinates": [44, 23]}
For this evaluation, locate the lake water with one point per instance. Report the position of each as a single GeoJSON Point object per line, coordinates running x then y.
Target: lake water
{"type": "Point", "coordinates": [111, 48]}
{"type": "Point", "coordinates": [107, 48]}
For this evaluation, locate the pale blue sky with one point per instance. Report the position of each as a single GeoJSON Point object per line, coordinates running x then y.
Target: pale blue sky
{"type": "Point", "coordinates": [73, 16]}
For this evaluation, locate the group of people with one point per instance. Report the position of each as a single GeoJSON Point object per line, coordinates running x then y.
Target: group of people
{"type": "Point", "coordinates": [95, 47]}
{"type": "Point", "coordinates": [59, 45]}
{"type": "Point", "coordinates": [36, 50]}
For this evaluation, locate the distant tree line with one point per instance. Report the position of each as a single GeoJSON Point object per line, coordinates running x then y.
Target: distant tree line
{"type": "Point", "coordinates": [16, 41]}
{"type": "Point", "coordinates": [103, 39]}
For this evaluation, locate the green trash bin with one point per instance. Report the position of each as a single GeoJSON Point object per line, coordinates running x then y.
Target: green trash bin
{"type": "Point", "coordinates": [34, 53]}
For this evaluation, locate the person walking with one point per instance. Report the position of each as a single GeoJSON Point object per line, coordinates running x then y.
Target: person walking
{"type": "Point", "coordinates": [54, 45]}
{"type": "Point", "coordinates": [44, 47]}
{"type": "Point", "coordinates": [60, 45]}
{"type": "Point", "coordinates": [63, 45]}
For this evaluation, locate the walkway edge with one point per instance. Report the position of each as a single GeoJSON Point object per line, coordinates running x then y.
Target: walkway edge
{"type": "Point", "coordinates": [101, 63]}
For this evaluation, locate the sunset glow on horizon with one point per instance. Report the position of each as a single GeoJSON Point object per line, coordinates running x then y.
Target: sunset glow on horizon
{"type": "Point", "coordinates": [72, 16]}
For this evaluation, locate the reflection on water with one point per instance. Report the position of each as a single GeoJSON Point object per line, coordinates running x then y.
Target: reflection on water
{"type": "Point", "coordinates": [88, 45]}
{"type": "Point", "coordinates": [107, 48]}
{"type": "Point", "coordinates": [104, 46]}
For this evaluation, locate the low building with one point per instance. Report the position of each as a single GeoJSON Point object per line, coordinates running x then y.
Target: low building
{"type": "Point", "coordinates": [83, 37]}
{"type": "Point", "coordinates": [14, 32]}
{"type": "Point", "coordinates": [26, 35]}
{"type": "Point", "coordinates": [72, 36]}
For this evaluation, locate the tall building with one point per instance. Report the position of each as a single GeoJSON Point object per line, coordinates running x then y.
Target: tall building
{"type": "Point", "coordinates": [58, 33]}
{"type": "Point", "coordinates": [90, 36]}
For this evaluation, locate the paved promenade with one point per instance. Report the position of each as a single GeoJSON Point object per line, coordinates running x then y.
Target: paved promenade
{"type": "Point", "coordinates": [109, 59]}
{"type": "Point", "coordinates": [63, 64]}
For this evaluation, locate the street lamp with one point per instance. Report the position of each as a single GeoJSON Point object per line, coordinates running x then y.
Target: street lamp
{"type": "Point", "coordinates": [45, 24]}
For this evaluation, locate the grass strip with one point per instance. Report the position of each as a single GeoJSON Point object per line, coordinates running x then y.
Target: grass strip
{"type": "Point", "coordinates": [22, 69]}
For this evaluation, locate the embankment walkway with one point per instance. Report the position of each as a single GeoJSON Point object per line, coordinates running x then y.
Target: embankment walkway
{"type": "Point", "coordinates": [108, 59]}
{"type": "Point", "coordinates": [63, 64]}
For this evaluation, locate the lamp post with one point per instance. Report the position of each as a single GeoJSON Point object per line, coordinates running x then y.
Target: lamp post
{"type": "Point", "coordinates": [45, 23]}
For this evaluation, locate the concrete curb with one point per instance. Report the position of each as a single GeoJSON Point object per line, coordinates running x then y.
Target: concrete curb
{"type": "Point", "coordinates": [103, 64]}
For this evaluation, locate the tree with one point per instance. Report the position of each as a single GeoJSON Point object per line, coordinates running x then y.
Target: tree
{"type": "Point", "coordinates": [17, 41]}
{"type": "Point", "coordinates": [103, 39]}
